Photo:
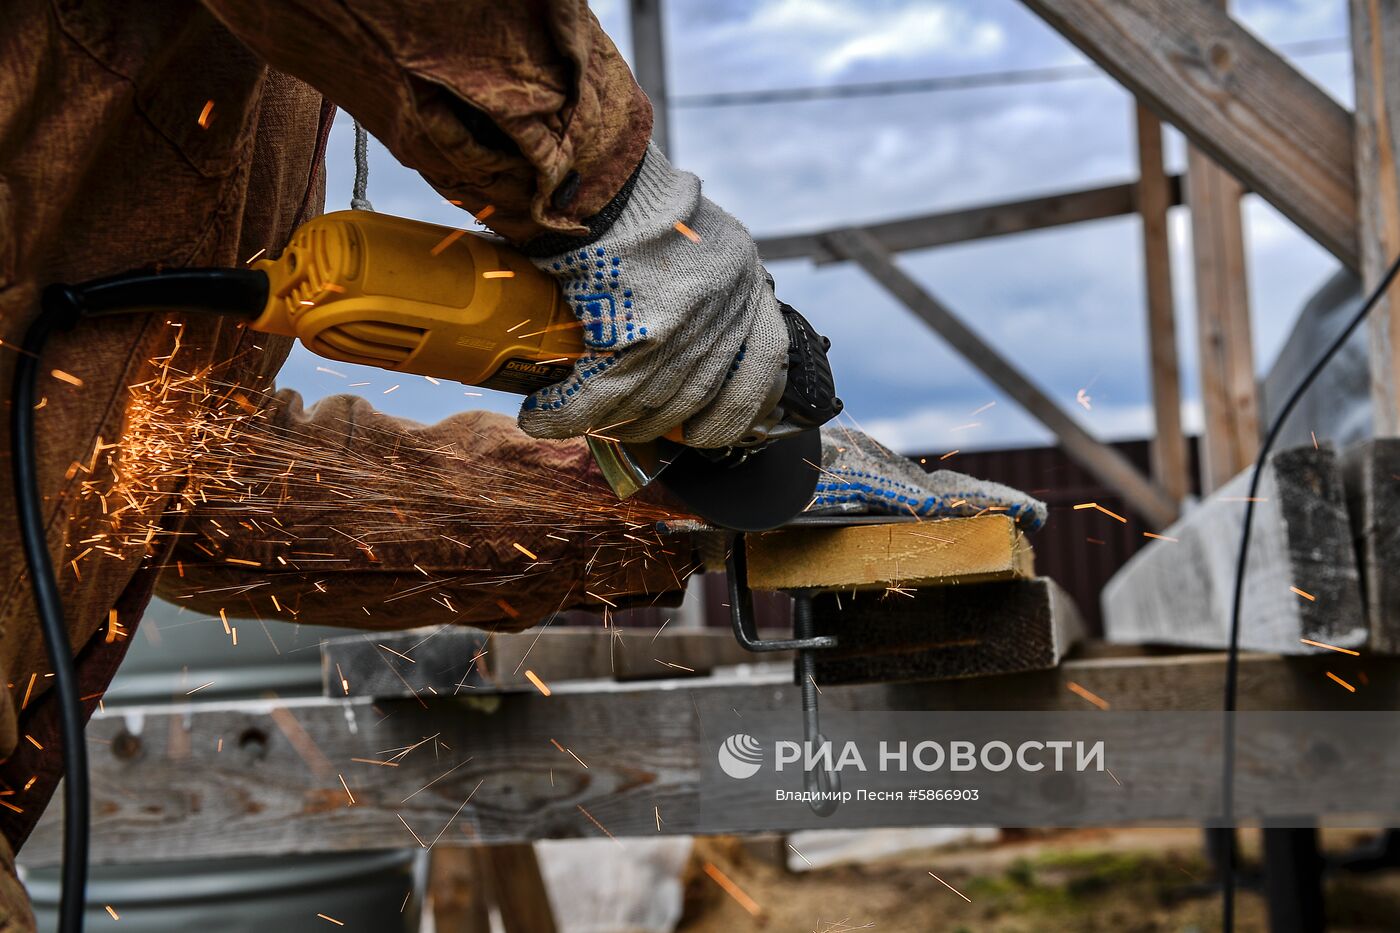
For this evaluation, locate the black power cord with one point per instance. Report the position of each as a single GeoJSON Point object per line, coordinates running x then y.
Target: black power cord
{"type": "Point", "coordinates": [234, 292]}
{"type": "Point", "coordinates": [50, 609]}
{"type": "Point", "coordinates": [1232, 663]}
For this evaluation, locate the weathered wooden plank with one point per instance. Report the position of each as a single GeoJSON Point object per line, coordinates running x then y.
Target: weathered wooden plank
{"type": "Point", "coordinates": [909, 554]}
{"type": "Point", "coordinates": [1375, 41]}
{"type": "Point", "coordinates": [456, 660]}
{"type": "Point", "coordinates": [254, 795]}
{"type": "Point", "coordinates": [1371, 470]}
{"type": "Point", "coordinates": [1179, 591]}
{"type": "Point", "coordinates": [1103, 461]}
{"type": "Point", "coordinates": [1232, 96]}
{"type": "Point", "coordinates": [945, 632]}
{"type": "Point", "coordinates": [976, 223]}
{"type": "Point", "coordinates": [1155, 197]}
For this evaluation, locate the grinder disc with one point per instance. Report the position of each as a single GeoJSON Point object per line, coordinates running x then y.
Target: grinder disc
{"type": "Point", "coordinates": [760, 491]}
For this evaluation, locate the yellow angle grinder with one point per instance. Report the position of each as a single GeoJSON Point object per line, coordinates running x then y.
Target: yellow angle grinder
{"type": "Point", "coordinates": [398, 294]}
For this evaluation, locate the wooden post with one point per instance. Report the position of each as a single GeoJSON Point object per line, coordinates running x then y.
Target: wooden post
{"type": "Point", "coordinates": [513, 874]}
{"type": "Point", "coordinates": [1169, 462]}
{"type": "Point", "coordinates": [1229, 392]}
{"type": "Point", "coordinates": [1375, 41]}
{"type": "Point", "coordinates": [649, 65]}
{"type": "Point", "coordinates": [455, 892]}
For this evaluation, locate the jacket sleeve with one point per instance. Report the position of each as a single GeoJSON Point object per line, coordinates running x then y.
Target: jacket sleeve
{"type": "Point", "coordinates": [341, 515]}
{"type": "Point", "coordinates": [523, 106]}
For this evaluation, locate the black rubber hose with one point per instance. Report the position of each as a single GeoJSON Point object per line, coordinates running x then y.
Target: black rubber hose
{"type": "Point", "coordinates": [1232, 661]}
{"type": "Point", "coordinates": [24, 464]}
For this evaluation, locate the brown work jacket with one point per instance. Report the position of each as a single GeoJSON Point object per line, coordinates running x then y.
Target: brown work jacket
{"type": "Point", "coordinates": [149, 133]}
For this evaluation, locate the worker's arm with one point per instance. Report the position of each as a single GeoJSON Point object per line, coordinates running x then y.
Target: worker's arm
{"type": "Point", "coordinates": [527, 109]}
{"type": "Point", "coordinates": [523, 106]}
{"type": "Point", "coordinates": [341, 515]}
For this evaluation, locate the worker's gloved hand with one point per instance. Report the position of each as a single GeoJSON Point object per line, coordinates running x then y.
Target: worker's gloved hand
{"type": "Point", "coordinates": [678, 316]}
{"type": "Point", "coordinates": [859, 475]}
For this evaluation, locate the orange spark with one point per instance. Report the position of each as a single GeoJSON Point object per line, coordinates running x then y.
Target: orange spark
{"type": "Point", "coordinates": [686, 232]}
{"type": "Point", "coordinates": [447, 241]}
{"type": "Point", "coordinates": [1349, 687]}
{"type": "Point", "coordinates": [485, 212]}
{"type": "Point", "coordinates": [1148, 534]}
{"type": "Point", "coordinates": [1095, 505]}
{"type": "Point", "coordinates": [733, 890]}
{"type": "Point", "coordinates": [1320, 644]}
{"type": "Point", "coordinates": [332, 919]}
{"type": "Point", "coordinates": [540, 685]}
{"type": "Point", "coordinates": [1308, 596]}
{"type": "Point", "coordinates": [595, 822]}
{"type": "Point", "coordinates": [1087, 694]}
{"type": "Point", "coordinates": [950, 887]}
{"type": "Point", "coordinates": [206, 115]}
{"type": "Point", "coordinates": [410, 829]}
{"type": "Point", "coordinates": [111, 911]}
{"type": "Point", "coordinates": [69, 378]}
{"type": "Point", "coordinates": [498, 274]}
{"type": "Point", "coordinates": [524, 550]}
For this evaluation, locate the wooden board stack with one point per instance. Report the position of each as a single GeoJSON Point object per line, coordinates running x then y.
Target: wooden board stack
{"type": "Point", "coordinates": [926, 600]}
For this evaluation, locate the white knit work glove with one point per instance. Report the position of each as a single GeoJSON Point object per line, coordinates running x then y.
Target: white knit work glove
{"type": "Point", "coordinates": [678, 317]}
{"type": "Point", "coordinates": [860, 475]}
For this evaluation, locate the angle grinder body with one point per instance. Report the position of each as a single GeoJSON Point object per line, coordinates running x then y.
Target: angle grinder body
{"type": "Point", "coordinates": [412, 297]}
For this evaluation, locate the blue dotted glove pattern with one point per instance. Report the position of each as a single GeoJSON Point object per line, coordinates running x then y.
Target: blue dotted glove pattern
{"type": "Point", "coordinates": [592, 283]}
{"type": "Point", "coordinates": [872, 492]}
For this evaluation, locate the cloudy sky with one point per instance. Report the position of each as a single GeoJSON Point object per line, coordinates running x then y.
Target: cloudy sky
{"type": "Point", "coordinates": [1066, 305]}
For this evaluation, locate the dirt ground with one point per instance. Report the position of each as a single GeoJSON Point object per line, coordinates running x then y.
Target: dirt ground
{"type": "Point", "coordinates": [1096, 881]}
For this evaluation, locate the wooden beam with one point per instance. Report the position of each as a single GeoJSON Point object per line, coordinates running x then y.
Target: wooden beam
{"type": "Point", "coordinates": [455, 892]}
{"type": "Point", "coordinates": [1104, 462]}
{"type": "Point", "coordinates": [1302, 581]}
{"type": "Point", "coordinates": [512, 873]}
{"type": "Point", "coordinates": [1229, 390]}
{"type": "Point", "coordinates": [975, 223]}
{"type": "Point", "coordinates": [1375, 39]}
{"type": "Point", "coordinates": [649, 66]}
{"type": "Point", "coordinates": [1155, 197]}
{"type": "Point", "coordinates": [1232, 96]}
{"type": "Point", "coordinates": [944, 632]}
{"type": "Point", "coordinates": [254, 796]}
{"type": "Point", "coordinates": [907, 554]}
{"type": "Point", "coordinates": [453, 660]}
